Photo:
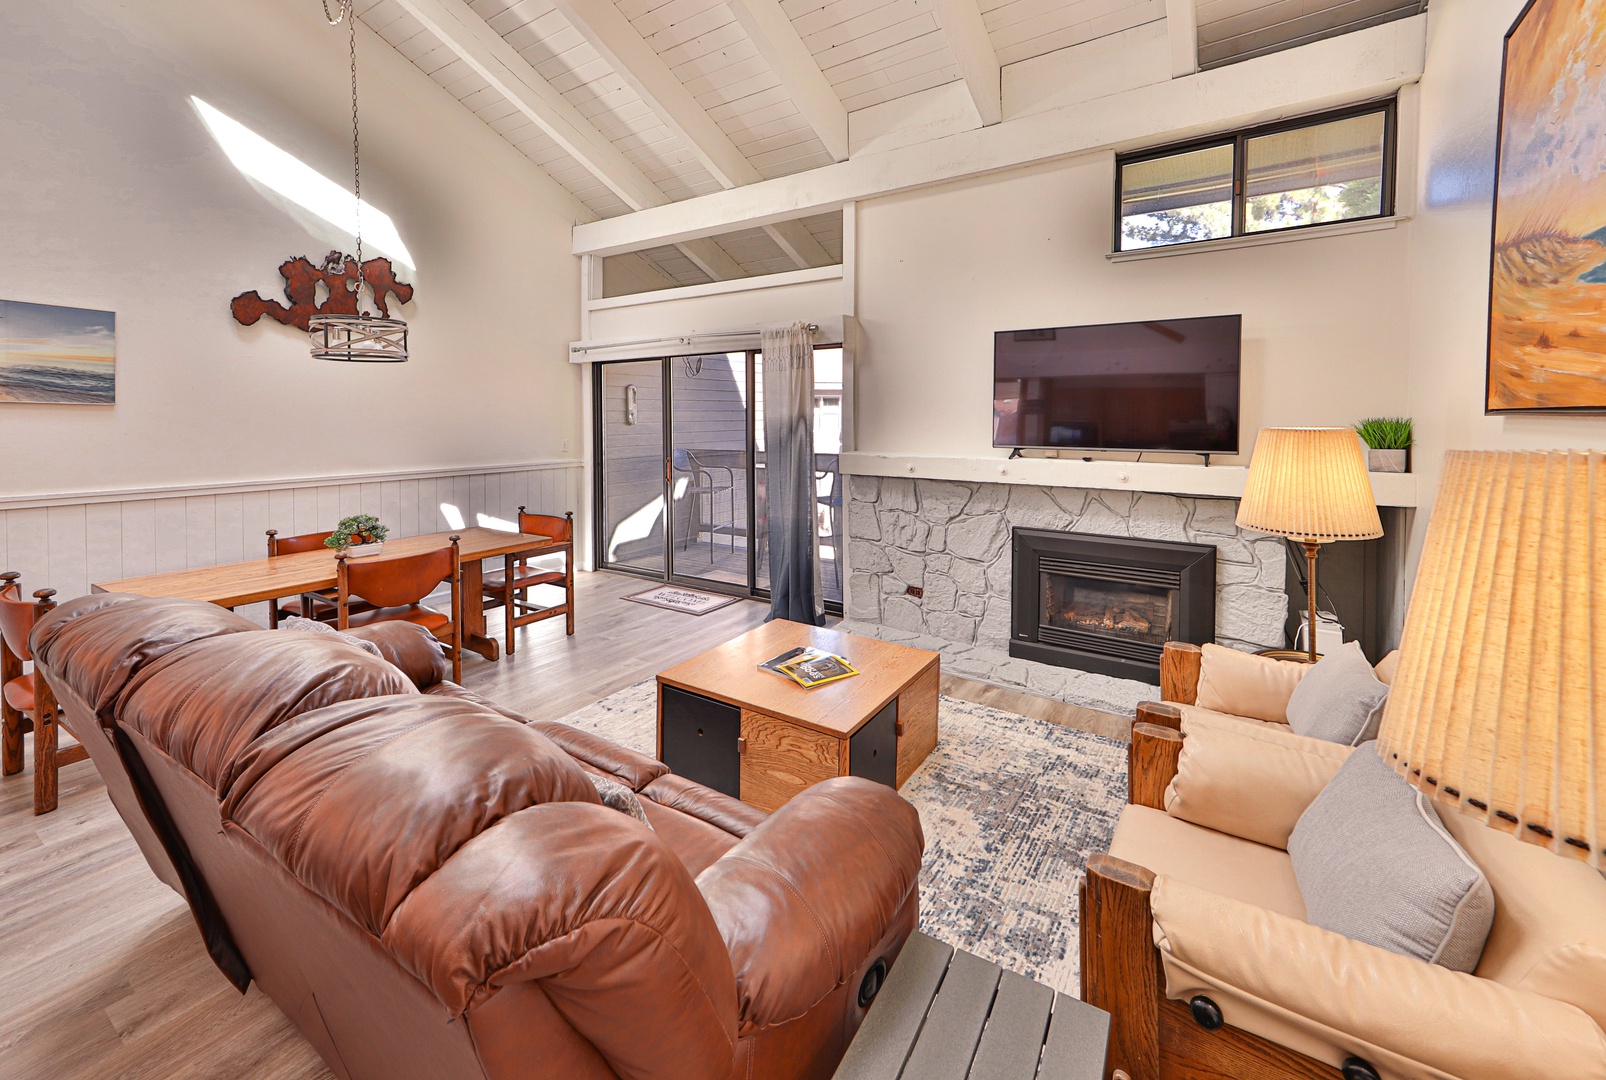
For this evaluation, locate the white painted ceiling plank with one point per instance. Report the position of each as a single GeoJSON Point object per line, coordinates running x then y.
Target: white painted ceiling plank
{"type": "Point", "coordinates": [1327, 73]}
{"type": "Point", "coordinates": [967, 36]}
{"type": "Point", "coordinates": [782, 48]}
{"type": "Point", "coordinates": [798, 244]}
{"type": "Point", "coordinates": [646, 269]}
{"type": "Point", "coordinates": [711, 259]}
{"type": "Point", "coordinates": [628, 53]}
{"type": "Point", "coordinates": [456, 24]}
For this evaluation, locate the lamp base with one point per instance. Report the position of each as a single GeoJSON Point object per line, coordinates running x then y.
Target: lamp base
{"type": "Point", "coordinates": [1299, 656]}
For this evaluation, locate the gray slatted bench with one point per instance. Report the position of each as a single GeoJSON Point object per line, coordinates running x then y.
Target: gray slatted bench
{"type": "Point", "coordinates": [945, 1014]}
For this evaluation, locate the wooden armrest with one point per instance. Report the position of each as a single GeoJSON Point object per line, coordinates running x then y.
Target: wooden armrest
{"type": "Point", "coordinates": [1179, 672]}
{"type": "Point", "coordinates": [1160, 714]}
{"type": "Point", "coordinates": [1151, 763]}
{"type": "Point", "coordinates": [1119, 971]}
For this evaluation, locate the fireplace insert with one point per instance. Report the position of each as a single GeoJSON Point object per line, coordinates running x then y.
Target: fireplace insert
{"type": "Point", "coordinates": [1108, 604]}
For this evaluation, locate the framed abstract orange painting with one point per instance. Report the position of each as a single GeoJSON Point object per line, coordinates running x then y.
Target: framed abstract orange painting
{"type": "Point", "coordinates": [1547, 281]}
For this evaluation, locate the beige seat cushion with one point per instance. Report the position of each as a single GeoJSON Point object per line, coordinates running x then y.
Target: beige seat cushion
{"type": "Point", "coordinates": [1549, 932]}
{"type": "Point", "coordinates": [1242, 684]}
{"type": "Point", "coordinates": [1212, 714]}
{"type": "Point", "coordinates": [1248, 778]}
{"type": "Point", "coordinates": [1385, 668]}
{"type": "Point", "coordinates": [1252, 873]}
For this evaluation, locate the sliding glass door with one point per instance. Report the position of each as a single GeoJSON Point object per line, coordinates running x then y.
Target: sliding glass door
{"type": "Point", "coordinates": [630, 504]}
{"type": "Point", "coordinates": [681, 473]}
{"type": "Point", "coordinates": [710, 493]}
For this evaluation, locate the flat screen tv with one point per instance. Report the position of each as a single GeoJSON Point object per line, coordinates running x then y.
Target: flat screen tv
{"type": "Point", "coordinates": [1169, 385]}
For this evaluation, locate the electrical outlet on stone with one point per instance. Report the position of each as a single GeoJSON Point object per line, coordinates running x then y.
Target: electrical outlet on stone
{"type": "Point", "coordinates": [915, 591]}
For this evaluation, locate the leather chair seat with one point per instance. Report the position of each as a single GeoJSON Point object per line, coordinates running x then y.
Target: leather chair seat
{"type": "Point", "coordinates": [531, 577]}
{"type": "Point", "coordinates": [418, 614]}
{"type": "Point", "coordinates": [19, 693]}
{"type": "Point", "coordinates": [1246, 871]}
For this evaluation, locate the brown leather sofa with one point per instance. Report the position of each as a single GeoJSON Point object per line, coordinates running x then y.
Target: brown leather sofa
{"type": "Point", "coordinates": [430, 887]}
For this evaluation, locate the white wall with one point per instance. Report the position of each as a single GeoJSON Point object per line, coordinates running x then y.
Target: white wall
{"type": "Point", "coordinates": [116, 197]}
{"type": "Point", "coordinates": [1450, 249]}
{"type": "Point", "coordinates": [69, 545]}
{"type": "Point", "coordinates": [940, 270]}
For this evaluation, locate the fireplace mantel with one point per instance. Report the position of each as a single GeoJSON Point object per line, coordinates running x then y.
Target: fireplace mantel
{"type": "Point", "coordinates": [1220, 481]}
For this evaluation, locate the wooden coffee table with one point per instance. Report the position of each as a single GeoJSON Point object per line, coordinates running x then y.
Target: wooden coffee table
{"type": "Point", "coordinates": [761, 738]}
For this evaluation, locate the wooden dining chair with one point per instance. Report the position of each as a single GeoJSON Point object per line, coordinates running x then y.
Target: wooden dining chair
{"type": "Point", "coordinates": [26, 700]}
{"type": "Point", "coordinates": [395, 587]}
{"type": "Point", "coordinates": [314, 605]}
{"type": "Point", "coordinates": [510, 588]}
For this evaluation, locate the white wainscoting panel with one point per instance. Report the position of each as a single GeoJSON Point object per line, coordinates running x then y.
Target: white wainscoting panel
{"type": "Point", "coordinates": [69, 543]}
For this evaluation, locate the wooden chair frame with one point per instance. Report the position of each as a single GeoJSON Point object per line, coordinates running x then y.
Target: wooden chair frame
{"type": "Point", "coordinates": [48, 757]}
{"type": "Point", "coordinates": [515, 600]}
{"type": "Point", "coordinates": [454, 643]}
{"type": "Point", "coordinates": [1151, 1036]}
{"type": "Point", "coordinates": [309, 601]}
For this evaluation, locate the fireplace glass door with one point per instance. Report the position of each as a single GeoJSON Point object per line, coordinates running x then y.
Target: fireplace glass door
{"type": "Point", "coordinates": [1085, 605]}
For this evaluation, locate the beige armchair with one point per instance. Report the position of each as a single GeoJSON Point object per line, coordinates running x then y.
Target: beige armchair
{"type": "Point", "coordinates": [1215, 680]}
{"type": "Point", "coordinates": [1194, 936]}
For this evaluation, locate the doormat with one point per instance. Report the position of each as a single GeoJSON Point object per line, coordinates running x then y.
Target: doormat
{"type": "Point", "coordinates": [676, 598]}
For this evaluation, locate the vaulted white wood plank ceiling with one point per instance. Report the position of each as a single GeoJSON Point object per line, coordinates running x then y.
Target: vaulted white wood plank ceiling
{"type": "Point", "coordinates": [637, 104]}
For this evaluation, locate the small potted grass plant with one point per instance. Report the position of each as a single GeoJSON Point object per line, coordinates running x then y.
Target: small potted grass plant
{"type": "Point", "coordinates": [1388, 439]}
{"type": "Point", "coordinates": [358, 535]}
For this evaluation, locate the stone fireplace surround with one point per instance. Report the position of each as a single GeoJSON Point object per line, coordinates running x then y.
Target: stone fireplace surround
{"type": "Point", "coordinates": [951, 539]}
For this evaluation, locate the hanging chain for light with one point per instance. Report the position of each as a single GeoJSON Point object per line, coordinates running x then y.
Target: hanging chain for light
{"type": "Point", "coordinates": [361, 337]}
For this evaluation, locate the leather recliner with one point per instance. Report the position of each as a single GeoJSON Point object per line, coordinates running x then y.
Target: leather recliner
{"type": "Point", "coordinates": [431, 887]}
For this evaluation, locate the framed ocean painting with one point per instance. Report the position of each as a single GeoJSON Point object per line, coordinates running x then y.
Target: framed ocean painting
{"type": "Point", "coordinates": [57, 355]}
{"type": "Point", "coordinates": [1547, 280]}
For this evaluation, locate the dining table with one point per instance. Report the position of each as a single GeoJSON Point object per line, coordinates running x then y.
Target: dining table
{"type": "Point", "coordinates": [253, 581]}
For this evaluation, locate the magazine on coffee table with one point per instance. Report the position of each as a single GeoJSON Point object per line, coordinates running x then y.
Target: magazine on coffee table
{"type": "Point", "coordinates": [809, 667]}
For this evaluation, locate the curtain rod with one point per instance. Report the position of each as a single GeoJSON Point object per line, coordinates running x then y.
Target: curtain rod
{"type": "Point", "coordinates": [687, 339]}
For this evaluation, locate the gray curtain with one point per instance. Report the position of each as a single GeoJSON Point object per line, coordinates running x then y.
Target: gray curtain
{"type": "Point", "coordinates": [795, 591]}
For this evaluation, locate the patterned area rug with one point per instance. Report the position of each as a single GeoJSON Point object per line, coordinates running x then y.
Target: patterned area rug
{"type": "Point", "coordinates": [675, 598]}
{"type": "Point", "coordinates": [1011, 807]}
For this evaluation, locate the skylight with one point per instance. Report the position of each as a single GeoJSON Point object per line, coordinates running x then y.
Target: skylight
{"type": "Point", "coordinates": [303, 185]}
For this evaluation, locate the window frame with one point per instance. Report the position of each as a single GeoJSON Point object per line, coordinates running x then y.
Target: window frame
{"type": "Point", "coordinates": [1239, 141]}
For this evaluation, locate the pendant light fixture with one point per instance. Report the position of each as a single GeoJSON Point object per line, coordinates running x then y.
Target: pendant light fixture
{"type": "Point", "coordinates": [357, 337]}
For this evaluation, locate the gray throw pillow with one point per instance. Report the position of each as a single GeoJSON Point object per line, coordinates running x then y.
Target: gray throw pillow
{"type": "Point", "coordinates": [1340, 699]}
{"type": "Point", "coordinates": [618, 797]}
{"type": "Point", "coordinates": [313, 626]}
{"type": "Point", "coordinates": [1375, 863]}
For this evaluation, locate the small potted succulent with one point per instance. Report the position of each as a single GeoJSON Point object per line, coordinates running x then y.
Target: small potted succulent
{"type": "Point", "coordinates": [358, 535]}
{"type": "Point", "coordinates": [1388, 439]}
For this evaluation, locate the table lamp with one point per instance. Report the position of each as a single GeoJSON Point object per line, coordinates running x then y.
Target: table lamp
{"type": "Point", "coordinates": [1497, 705]}
{"type": "Point", "coordinates": [1309, 485]}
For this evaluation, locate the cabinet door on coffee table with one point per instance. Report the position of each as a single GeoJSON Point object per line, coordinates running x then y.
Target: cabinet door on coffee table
{"type": "Point", "coordinates": [873, 749]}
{"type": "Point", "coordinates": [699, 739]}
{"type": "Point", "coordinates": [780, 759]}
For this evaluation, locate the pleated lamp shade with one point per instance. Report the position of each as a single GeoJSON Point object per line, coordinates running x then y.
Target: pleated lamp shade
{"type": "Point", "coordinates": [1497, 706]}
{"type": "Point", "coordinates": [1309, 484]}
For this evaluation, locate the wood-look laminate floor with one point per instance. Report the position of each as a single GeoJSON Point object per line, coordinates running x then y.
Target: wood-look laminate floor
{"type": "Point", "coordinates": [102, 973]}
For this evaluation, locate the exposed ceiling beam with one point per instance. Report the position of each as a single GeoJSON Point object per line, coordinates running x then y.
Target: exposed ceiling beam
{"type": "Point", "coordinates": [799, 244]}
{"type": "Point", "coordinates": [1182, 27]}
{"type": "Point", "coordinates": [1350, 68]}
{"type": "Point", "coordinates": [635, 61]}
{"type": "Point", "coordinates": [643, 268]}
{"type": "Point", "coordinates": [967, 36]}
{"type": "Point", "coordinates": [712, 260]}
{"type": "Point", "coordinates": [778, 42]}
{"type": "Point", "coordinates": [482, 48]}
